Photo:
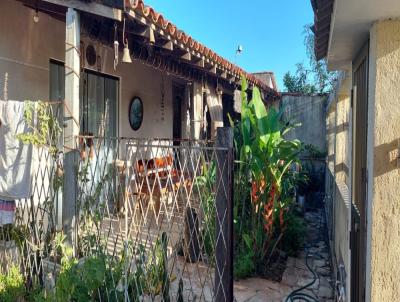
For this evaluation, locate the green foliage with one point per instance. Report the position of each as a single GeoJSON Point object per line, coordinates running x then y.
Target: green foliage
{"type": "Point", "coordinates": [244, 265]}
{"type": "Point", "coordinates": [205, 184]}
{"type": "Point", "coordinates": [294, 235]}
{"type": "Point", "coordinates": [45, 130]}
{"type": "Point", "coordinates": [264, 161]}
{"type": "Point", "coordinates": [316, 79]}
{"type": "Point", "coordinates": [299, 82]}
{"type": "Point", "coordinates": [156, 269]}
{"type": "Point", "coordinates": [12, 287]}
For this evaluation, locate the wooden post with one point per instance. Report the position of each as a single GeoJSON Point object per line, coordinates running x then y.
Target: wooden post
{"type": "Point", "coordinates": [224, 219]}
{"type": "Point", "coordinates": [71, 118]}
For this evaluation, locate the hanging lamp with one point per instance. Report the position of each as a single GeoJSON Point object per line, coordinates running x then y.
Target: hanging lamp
{"type": "Point", "coordinates": [126, 58]}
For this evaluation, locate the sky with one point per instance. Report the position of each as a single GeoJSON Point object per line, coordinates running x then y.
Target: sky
{"type": "Point", "coordinates": [270, 31]}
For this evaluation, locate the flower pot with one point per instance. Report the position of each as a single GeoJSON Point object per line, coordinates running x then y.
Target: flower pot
{"type": "Point", "coordinates": [301, 202]}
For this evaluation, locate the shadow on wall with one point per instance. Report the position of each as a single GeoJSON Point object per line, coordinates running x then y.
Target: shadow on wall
{"type": "Point", "coordinates": [386, 158]}
{"type": "Point", "coordinates": [340, 128]}
{"type": "Point", "coordinates": [342, 167]}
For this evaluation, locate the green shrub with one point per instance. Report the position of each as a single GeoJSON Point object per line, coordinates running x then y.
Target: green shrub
{"type": "Point", "coordinates": [244, 266]}
{"type": "Point", "coordinates": [12, 286]}
{"type": "Point", "coordinates": [293, 237]}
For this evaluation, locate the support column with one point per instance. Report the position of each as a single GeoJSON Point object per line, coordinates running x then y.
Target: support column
{"type": "Point", "coordinates": [224, 219]}
{"type": "Point", "coordinates": [197, 111]}
{"type": "Point", "coordinates": [71, 118]}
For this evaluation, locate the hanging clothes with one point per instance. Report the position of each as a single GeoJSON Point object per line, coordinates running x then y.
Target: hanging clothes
{"type": "Point", "coordinates": [15, 157]}
{"type": "Point", "coordinates": [7, 212]}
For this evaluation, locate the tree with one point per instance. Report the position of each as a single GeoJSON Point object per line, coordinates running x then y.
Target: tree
{"type": "Point", "coordinates": [316, 79]}
{"type": "Point", "coordinates": [299, 82]}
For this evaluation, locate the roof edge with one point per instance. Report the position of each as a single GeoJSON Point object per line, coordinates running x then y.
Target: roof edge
{"type": "Point", "coordinates": [174, 33]}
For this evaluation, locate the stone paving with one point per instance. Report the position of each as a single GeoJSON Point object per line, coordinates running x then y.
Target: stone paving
{"type": "Point", "coordinates": [296, 274]}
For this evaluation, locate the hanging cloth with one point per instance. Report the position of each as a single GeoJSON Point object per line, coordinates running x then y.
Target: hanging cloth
{"type": "Point", "coordinates": [7, 212]}
{"type": "Point", "coordinates": [15, 157]}
{"type": "Point", "coordinates": [214, 103]}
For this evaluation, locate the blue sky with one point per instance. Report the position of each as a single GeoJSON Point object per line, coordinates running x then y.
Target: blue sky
{"type": "Point", "coordinates": [271, 31]}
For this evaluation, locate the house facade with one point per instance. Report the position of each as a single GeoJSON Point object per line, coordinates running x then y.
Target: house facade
{"type": "Point", "coordinates": [361, 40]}
{"type": "Point", "coordinates": [55, 50]}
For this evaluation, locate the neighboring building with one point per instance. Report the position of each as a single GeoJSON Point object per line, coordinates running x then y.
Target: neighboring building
{"type": "Point", "coordinates": [268, 78]}
{"type": "Point", "coordinates": [361, 38]}
{"type": "Point", "coordinates": [175, 76]}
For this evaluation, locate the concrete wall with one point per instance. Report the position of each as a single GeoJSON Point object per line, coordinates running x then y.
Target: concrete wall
{"type": "Point", "coordinates": [384, 178]}
{"type": "Point", "coordinates": [27, 47]}
{"type": "Point", "coordinates": [310, 112]}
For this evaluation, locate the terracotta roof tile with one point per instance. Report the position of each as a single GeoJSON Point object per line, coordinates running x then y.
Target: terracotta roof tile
{"type": "Point", "coordinates": [158, 19]}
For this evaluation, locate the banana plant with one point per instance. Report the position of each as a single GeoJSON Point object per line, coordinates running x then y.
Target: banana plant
{"type": "Point", "coordinates": [264, 157]}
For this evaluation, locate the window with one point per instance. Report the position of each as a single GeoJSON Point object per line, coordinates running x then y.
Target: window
{"type": "Point", "coordinates": [98, 99]}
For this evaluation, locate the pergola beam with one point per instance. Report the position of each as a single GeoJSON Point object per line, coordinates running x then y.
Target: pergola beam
{"type": "Point", "coordinates": [90, 7]}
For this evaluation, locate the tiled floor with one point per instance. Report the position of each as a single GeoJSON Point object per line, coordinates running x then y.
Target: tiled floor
{"type": "Point", "coordinates": [296, 274]}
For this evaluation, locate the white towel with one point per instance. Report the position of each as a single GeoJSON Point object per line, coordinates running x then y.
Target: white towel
{"type": "Point", "coordinates": [15, 157]}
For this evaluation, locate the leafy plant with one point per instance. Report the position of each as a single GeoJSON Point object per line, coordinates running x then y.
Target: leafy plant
{"type": "Point", "coordinates": [264, 160]}
{"type": "Point", "coordinates": [294, 235]}
{"type": "Point", "coordinates": [12, 287]}
{"type": "Point", "coordinates": [205, 184]}
{"type": "Point", "coordinates": [244, 264]}
{"type": "Point", "coordinates": [45, 130]}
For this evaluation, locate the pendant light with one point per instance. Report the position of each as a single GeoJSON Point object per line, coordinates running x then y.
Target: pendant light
{"type": "Point", "coordinates": [126, 58]}
{"type": "Point", "coordinates": [36, 14]}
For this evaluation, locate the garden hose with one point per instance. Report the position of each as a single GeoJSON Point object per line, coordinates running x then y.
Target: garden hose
{"type": "Point", "coordinates": [297, 294]}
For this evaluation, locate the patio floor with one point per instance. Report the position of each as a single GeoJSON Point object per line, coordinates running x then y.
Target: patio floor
{"type": "Point", "coordinates": [296, 274]}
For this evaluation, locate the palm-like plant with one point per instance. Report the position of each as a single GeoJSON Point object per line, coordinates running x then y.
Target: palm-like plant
{"type": "Point", "coordinates": [265, 157]}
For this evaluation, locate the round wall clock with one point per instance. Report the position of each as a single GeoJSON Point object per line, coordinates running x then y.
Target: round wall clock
{"type": "Point", "coordinates": [136, 113]}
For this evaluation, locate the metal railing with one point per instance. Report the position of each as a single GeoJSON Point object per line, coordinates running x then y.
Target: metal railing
{"type": "Point", "coordinates": [152, 222]}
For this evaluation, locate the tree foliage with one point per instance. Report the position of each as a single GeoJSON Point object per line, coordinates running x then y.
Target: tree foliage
{"type": "Point", "coordinates": [317, 78]}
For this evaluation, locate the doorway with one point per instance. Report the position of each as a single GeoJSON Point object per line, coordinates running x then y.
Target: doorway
{"type": "Point", "coordinates": [359, 179]}
{"type": "Point", "coordinates": [178, 96]}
